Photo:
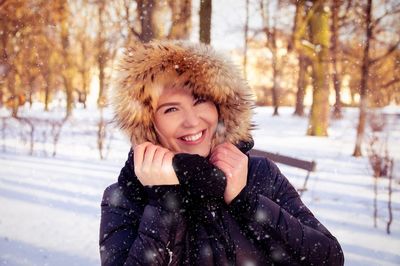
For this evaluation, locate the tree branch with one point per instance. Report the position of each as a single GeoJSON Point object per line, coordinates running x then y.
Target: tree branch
{"type": "Point", "coordinates": [389, 83]}
{"type": "Point", "coordinates": [388, 52]}
{"type": "Point", "coordinates": [301, 44]}
{"type": "Point", "coordinates": [395, 10]}
{"type": "Point", "coordinates": [301, 29]}
{"type": "Point", "coordinates": [349, 5]}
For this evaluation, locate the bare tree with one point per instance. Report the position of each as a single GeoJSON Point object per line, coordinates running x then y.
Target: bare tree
{"type": "Point", "coordinates": [181, 19]}
{"type": "Point", "coordinates": [205, 21]}
{"type": "Point", "coordinates": [246, 33]}
{"type": "Point", "coordinates": [301, 85]}
{"type": "Point", "coordinates": [271, 35]}
{"type": "Point", "coordinates": [11, 27]}
{"type": "Point", "coordinates": [145, 10]}
{"type": "Point", "coordinates": [364, 80]}
{"type": "Point", "coordinates": [336, 78]}
{"type": "Point", "coordinates": [319, 116]}
{"type": "Point", "coordinates": [101, 54]}
{"type": "Point", "coordinates": [304, 62]}
{"type": "Point", "coordinates": [67, 73]}
{"type": "Point", "coordinates": [85, 43]}
{"type": "Point", "coordinates": [316, 19]}
{"type": "Point", "coordinates": [140, 20]}
{"type": "Point", "coordinates": [371, 34]}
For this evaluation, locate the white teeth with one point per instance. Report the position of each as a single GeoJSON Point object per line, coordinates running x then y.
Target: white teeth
{"type": "Point", "coordinates": [193, 137]}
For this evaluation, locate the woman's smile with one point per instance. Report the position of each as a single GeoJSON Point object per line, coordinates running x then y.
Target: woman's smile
{"type": "Point", "coordinates": [193, 139]}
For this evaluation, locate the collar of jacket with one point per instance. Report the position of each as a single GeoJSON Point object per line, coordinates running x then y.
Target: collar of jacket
{"type": "Point", "coordinates": [134, 190]}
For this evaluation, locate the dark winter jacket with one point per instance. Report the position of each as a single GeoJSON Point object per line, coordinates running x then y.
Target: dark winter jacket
{"type": "Point", "coordinates": [189, 224]}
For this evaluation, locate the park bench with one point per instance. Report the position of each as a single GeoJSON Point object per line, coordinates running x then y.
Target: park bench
{"type": "Point", "coordinates": [309, 166]}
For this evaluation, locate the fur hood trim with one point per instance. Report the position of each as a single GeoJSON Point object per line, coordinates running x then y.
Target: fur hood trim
{"type": "Point", "coordinates": [146, 69]}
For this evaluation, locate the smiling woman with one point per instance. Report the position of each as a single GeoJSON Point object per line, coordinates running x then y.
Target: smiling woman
{"type": "Point", "coordinates": [189, 193]}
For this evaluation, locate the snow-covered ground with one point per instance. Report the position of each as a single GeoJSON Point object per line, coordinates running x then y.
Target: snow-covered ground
{"type": "Point", "coordinates": [50, 206]}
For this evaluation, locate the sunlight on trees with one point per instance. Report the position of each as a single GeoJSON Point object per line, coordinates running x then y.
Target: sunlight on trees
{"type": "Point", "coordinates": [317, 56]}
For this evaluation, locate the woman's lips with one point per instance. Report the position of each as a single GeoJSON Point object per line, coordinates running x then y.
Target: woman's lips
{"type": "Point", "coordinates": [193, 139]}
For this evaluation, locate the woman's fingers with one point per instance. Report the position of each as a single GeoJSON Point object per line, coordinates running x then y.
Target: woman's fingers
{"type": "Point", "coordinates": [228, 155]}
{"type": "Point", "coordinates": [148, 157]}
{"type": "Point", "coordinates": [225, 167]}
{"type": "Point", "coordinates": [233, 163]}
{"type": "Point", "coordinates": [228, 161]}
{"type": "Point", "coordinates": [166, 166]}
{"type": "Point", "coordinates": [158, 157]}
{"type": "Point", "coordinates": [153, 165]}
{"type": "Point", "coordinates": [227, 150]}
{"type": "Point", "coordinates": [138, 155]}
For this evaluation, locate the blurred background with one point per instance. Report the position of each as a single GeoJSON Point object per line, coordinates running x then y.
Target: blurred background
{"type": "Point", "coordinates": [323, 54]}
{"type": "Point", "coordinates": [326, 76]}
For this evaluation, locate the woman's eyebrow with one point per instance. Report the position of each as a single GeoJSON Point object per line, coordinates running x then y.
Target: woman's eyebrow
{"type": "Point", "coordinates": [167, 104]}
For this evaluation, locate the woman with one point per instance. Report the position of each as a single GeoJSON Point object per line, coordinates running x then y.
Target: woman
{"type": "Point", "coordinates": [189, 193]}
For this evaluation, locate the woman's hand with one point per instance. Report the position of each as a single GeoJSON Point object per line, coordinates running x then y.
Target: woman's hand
{"type": "Point", "coordinates": [233, 163]}
{"type": "Point", "coordinates": [153, 165]}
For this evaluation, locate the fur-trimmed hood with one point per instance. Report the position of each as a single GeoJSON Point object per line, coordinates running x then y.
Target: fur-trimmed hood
{"type": "Point", "coordinates": [146, 69]}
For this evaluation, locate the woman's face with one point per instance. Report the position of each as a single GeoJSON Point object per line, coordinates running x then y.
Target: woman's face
{"type": "Point", "coordinates": [185, 124]}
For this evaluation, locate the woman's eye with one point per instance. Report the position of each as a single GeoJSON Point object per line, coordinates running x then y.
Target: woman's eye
{"type": "Point", "coordinates": [172, 109]}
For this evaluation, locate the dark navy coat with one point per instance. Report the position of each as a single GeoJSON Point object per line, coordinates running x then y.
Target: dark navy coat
{"type": "Point", "coordinates": [189, 224]}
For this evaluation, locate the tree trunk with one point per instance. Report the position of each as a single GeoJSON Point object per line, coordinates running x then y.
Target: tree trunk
{"type": "Point", "coordinates": [275, 85]}
{"type": "Point", "coordinates": [84, 76]}
{"type": "Point", "coordinates": [303, 63]}
{"type": "Point", "coordinates": [301, 86]}
{"type": "Point", "coordinates": [181, 19]}
{"type": "Point", "coordinates": [246, 32]}
{"type": "Point", "coordinates": [70, 100]}
{"type": "Point", "coordinates": [46, 98]}
{"type": "Point", "coordinates": [84, 89]}
{"type": "Point", "coordinates": [101, 101]}
{"type": "Point", "coordinates": [30, 93]}
{"type": "Point", "coordinates": [271, 44]}
{"type": "Point", "coordinates": [337, 108]}
{"type": "Point", "coordinates": [14, 99]}
{"type": "Point", "coordinates": [145, 10]}
{"type": "Point", "coordinates": [319, 115]}
{"type": "Point", "coordinates": [67, 67]}
{"type": "Point", "coordinates": [9, 74]}
{"type": "Point", "coordinates": [205, 21]}
{"type": "Point", "coordinates": [101, 57]}
{"type": "Point", "coordinates": [47, 76]}
{"type": "Point", "coordinates": [84, 66]}
{"type": "Point", "coordinates": [4, 60]}
{"type": "Point", "coordinates": [275, 68]}
{"type": "Point", "coordinates": [364, 82]}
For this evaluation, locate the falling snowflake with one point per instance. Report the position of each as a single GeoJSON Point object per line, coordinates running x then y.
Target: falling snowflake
{"type": "Point", "coordinates": [261, 216]}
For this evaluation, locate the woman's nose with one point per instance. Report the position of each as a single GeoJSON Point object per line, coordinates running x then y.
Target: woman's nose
{"type": "Point", "coordinates": [191, 118]}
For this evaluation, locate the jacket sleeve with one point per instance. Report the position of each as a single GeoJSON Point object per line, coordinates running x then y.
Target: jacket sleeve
{"type": "Point", "coordinates": [272, 210]}
{"type": "Point", "coordinates": [133, 234]}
